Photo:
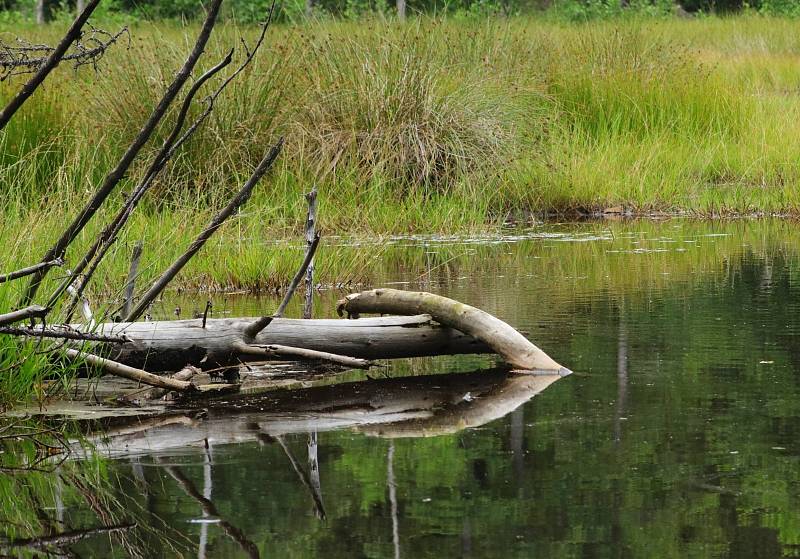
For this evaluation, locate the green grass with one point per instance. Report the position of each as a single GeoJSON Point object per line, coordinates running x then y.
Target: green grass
{"type": "Point", "coordinates": [520, 114]}
{"type": "Point", "coordinates": [434, 125]}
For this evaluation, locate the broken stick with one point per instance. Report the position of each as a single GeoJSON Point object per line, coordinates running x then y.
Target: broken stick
{"type": "Point", "coordinates": [272, 350]}
{"type": "Point", "coordinates": [131, 373]}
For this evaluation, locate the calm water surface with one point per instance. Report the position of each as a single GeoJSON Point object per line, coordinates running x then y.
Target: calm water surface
{"type": "Point", "coordinates": [677, 436]}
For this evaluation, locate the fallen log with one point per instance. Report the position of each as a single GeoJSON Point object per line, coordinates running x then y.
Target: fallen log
{"type": "Point", "coordinates": [172, 344]}
{"type": "Point", "coordinates": [512, 346]}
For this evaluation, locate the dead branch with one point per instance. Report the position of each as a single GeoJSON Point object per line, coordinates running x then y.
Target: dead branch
{"type": "Point", "coordinates": [113, 178]}
{"type": "Point", "coordinates": [273, 350]}
{"type": "Point", "coordinates": [169, 148]}
{"type": "Point", "coordinates": [257, 326]}
{"type": "Point", "coordinates": [63, 333]}
{"type": "Point", "coordinates": [22, 272]}
{"type": "Point", "coordinates": [108, 236]}
{"type": "Point", "coordinates": [48, 66]}
{"type": "Point", "coordinates": [130, 283]}
{"type": "Point", "coordinates": [186, 374]}
{"type": "Point", "coordinates": [131, 373]}
{"type": "Point", "coordinates": [311, 226]}
{"type": "Point", "coordinates": [27, 58]}
{"type": "Point", "coordinates": [32, 311]}
{"type": "Point", "coordinates": [236, 202]}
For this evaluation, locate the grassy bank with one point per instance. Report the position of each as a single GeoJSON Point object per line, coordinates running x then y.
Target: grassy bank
{"type": "Point", "coordinates": [435, 125]}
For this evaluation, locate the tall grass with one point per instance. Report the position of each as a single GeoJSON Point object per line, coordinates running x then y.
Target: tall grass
{"type": "Point", "coordinates": [431, 125]}
{"type": "Point", "coordinates": [692, 116]}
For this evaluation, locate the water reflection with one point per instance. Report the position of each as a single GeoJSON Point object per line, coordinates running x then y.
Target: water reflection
{"type": "Point", "coordinates": [678, 438]}
{"type": "Point", "coordinates": [394, 407]}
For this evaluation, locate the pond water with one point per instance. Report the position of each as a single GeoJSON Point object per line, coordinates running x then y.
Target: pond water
{"type": "Point", "coordinates": [676, 436]}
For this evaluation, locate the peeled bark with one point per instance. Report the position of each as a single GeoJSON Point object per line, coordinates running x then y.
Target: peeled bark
{"type": "Point", "coordinates": [172, 344]}
{"type": "Point", "coordinates": [502, 338]}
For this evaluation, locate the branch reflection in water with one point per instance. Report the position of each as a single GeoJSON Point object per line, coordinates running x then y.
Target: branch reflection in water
{"type": "Point", "coordinates": [389, 408]}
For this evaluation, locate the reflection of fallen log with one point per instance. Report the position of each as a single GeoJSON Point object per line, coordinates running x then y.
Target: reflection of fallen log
{"type": "Point", "coordinates": [411, 406]}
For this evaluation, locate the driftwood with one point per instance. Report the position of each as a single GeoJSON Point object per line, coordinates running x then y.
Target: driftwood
{"type": "Point", "coordinates": [172, 344]}
{"type": "Point", "coordinates": [502, 338]}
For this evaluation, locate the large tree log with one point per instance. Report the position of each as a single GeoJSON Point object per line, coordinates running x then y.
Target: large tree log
{"type": "Point", "coordinates": [512, 346]}
{"type": "Point", "coordinates": [172, 344]}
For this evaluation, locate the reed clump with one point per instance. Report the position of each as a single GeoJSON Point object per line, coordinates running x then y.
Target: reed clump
{"type": "Point", "coordinates": [436, 124]}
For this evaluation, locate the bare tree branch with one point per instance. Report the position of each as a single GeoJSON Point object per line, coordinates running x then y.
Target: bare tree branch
{"type": "Point", "coordinates": [27, 58]}
{"type": "Point", "coordinates": [52, 61]}
{"type": "Point", "coordinates": [236, 202]}
{"type": "Point", "coordinates": [32, 311]}
{"type": "Point", "coordinates": [22, 272]}
{"type": "Point", "coordinates": [113, 178]}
